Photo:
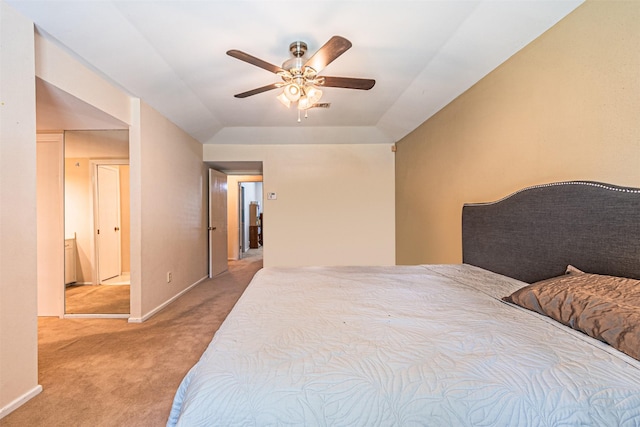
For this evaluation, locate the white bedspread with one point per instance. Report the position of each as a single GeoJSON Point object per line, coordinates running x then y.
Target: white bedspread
{"type": "Point", "coordinates": [405, 345]}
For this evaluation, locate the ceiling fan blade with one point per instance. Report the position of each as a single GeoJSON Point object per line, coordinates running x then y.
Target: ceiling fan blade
{"type": "Point", "coordinates": [348, 83]}
{"type": "Point", "coordinates": [254, 61]}
{"type": "Point", "coordinates": [257, 91]}
{"type": "Point", "coordinates": [332, 49]}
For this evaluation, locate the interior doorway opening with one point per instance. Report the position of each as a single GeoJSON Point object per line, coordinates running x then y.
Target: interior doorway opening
{"type": "Point", "coordinates": [251, 217]}
{"type": "Point", "coordinates": [238, 232]}
{"type": "Point", "coordinates": [96, 222]}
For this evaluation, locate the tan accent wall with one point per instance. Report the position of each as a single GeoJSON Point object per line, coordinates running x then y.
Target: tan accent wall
{"type": "Point", "coordinates": [566, 107]}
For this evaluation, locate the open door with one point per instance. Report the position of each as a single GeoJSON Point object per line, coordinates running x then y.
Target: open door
{"type": "Point", "coordinates": [218, 257]}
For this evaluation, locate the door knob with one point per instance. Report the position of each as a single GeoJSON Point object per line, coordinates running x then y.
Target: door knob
{"type": "Point", "coordinates": [116, 228]}
{"type": "Point", "coordinates": [212, 228]}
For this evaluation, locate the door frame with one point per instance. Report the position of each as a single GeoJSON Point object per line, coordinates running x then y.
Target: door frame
{"type": "Point", "coordinates": [240, 220]}
{"type": "Point", "coordinates": [93, 165]}
{"type": "Point", "coordinates": [241, 212]}
{"type": "Point", "coordinates": [235, 210]}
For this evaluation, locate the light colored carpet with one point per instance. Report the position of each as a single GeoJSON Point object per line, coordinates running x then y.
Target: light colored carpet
{"type": "Point", "coordinates": [107, 372]}
{"type": "Point", "coordinates": [96, 299]}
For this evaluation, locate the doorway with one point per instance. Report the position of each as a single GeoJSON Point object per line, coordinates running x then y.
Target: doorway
{"type": "Point", "coordinates": [238, 172]}
{"type": "Point", "coordinates": [251, 218]}
{"type": "Point", "coordinates": [107, 221]}
{"type": "Point", "coordinates": [97, 235]}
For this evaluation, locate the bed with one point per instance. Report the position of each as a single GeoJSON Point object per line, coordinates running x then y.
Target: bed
{"type": "Point", "coordinates": [442, 345]}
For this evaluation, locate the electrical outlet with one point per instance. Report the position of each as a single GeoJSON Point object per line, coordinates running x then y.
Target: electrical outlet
{"type": "Point", "coordinates": [169, 277]}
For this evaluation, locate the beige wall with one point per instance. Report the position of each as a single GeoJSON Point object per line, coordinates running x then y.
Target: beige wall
{"type": "Point", "coordinates": [173, 210]}
{"type": "Point", "coordinates": [18, 264]}
{"type": "Point", "coordinates": [167, 181]}
{"type": "Point", "coordinates": [78, 211]}
{"type": "Point", "coordinates": [335, 203]}
{"type": "Point", "coordinates": [97, 144]}
{"type": "Point", "coordinates": [566, 107]}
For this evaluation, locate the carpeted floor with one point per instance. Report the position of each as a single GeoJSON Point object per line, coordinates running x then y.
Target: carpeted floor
{"type": "Point", "coordinates": [97, 299]}
{"type": "Point", "coordinates": [107, 372]}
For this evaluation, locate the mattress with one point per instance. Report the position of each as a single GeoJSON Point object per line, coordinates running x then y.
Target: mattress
{"type": "Point", "coordinates": [402, 345]}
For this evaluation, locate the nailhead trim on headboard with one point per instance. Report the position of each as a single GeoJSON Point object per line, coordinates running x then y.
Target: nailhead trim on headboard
{"type": "Point", "coordinates": [553, 184]}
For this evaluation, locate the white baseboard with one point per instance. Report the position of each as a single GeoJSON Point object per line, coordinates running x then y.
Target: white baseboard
{"type": "Point", "coordinates": [15, 404]}
{"type": "Point", "coordinates": [166, 303]}
{"type": "Point", "coordinates": [95, 316]}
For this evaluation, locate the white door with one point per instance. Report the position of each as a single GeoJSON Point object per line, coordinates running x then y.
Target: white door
{"type": "Point", "coordinates": [108, 222]}
{"type": "Point", "coordinates": [217, 222]}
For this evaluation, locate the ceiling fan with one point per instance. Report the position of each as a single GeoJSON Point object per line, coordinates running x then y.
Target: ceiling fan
{"type": "Point", "coordinates": [300, 80]}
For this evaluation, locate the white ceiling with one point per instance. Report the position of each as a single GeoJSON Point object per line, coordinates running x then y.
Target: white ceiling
{"type": "Point", "coordinates": [171, 54]}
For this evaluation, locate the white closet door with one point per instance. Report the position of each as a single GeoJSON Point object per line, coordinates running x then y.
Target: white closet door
{"type": "Point", "coordinates": [108, 224]}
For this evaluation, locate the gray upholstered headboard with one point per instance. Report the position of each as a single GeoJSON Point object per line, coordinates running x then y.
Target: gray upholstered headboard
{"type": "Point", "coordinates": [535, 233]}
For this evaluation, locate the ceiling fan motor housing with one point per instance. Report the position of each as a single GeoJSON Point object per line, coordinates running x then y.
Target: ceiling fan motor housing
{"type": "Point", "coordinates": [294, 65]}
{"type": "Point", "coordinates": [298, 49]}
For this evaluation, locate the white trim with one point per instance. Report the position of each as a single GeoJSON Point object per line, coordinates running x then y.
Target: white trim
{"type": "Point", "coordinates": [16, 403]}
{"type": "Point", "coordinates": [96, 316]}
{"type": "Point", "coordinates": [166, 303]}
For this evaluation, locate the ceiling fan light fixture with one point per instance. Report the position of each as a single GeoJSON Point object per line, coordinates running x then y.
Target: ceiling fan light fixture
{"type": "Point", "coordinates": [292, 92]}
{"type": "Point", "coordinates": [284, 100]}
{"type": "Point", "coordinates": [300, 80]}
{"type": "Point", "coordinates": [304, 103]}
{"type": "Point", "coordinates": [313, 94]}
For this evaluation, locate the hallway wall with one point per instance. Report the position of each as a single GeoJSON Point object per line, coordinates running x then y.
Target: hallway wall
{"type": "Point", "coordinates": [18, 247]}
